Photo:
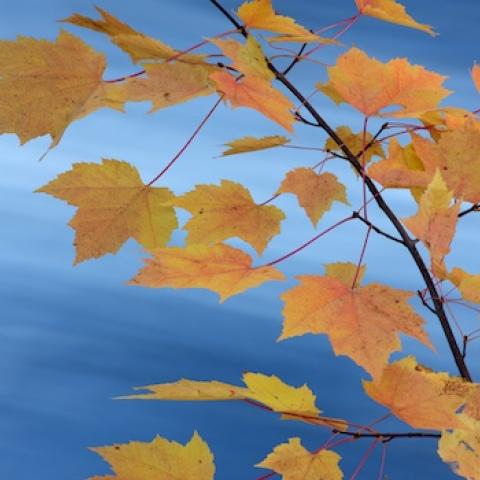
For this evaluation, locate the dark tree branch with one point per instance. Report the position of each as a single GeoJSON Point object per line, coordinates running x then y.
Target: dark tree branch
{"type": "Point", "coordinates": [425, 303]}
{"type": "Point", "coordinates": [295, 60]}
{"type": "Point", "coordinates": [474, 208]}
{"type": "Point", "coordinates": [387, 436]}
{"type": "Point", "coordinates": [376, 229]}
{"type": "Point", "coordinates": [409, 243]}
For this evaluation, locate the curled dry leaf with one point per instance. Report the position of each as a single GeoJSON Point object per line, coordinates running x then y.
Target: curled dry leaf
{"type": "Point", "coordinates": [363, 323]}
{"type": "Point", "coordinates": [252, 144]}
{"type": "Point", "coordinates": [420, 397]}
{"type": "Point", "coordinates": [391, 11]}
{"type": "Point", "coordinates": [223, 269]}
{"type": "Point", "coordinates": [113, 206]}
{"type": "Point", "coordinates": [294, 462]}
{"type": "Point", "coordinates": [226, 211]}
{"type": "Point", "coordinates": [370, 85]}
{"type": "Point", "coordinates": [158, 459]}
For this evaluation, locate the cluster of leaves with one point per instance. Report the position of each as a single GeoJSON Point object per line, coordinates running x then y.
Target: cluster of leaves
{"type": "Point", "coordinates": [440, 166]}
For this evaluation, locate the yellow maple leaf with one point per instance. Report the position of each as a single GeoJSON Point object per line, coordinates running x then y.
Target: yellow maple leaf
{"type": "Point", "coordinates": [420, 397]}
{"type": "Point", "coordinates": [363, 323]}
{"type": "Point", "coordinates": [248, 58]}
{"type": "Point", "coordinates": [260, 14]}
{"type": "Point", "coordinates": [355, 143]}
{"type": "Point", "coordinates": [460, 448]}
{"type": "Point", "coordinates": [159, 458]}
{"type": "Point", "coordinates": [170, 83]}
{"type": "Point", "coordinates": [391, 11]}
{"type": "Point", "coordinates": [251, 144]}
{"type": "Point", "coordinates": [140, 47]}
{"type": "Point", "coordinates": [370, 85]}
{"type": "Point", "coordinates": [220, 268]}
{"type": "Point", "coordinates": [226, 211]}
{"type": "Point", "coordinates": [294, 403]}
{"type": "Point", "coordinates": [113, 206]}
{"type": "Point", "coordinates": [294, 462]}
{"type": "Point", "coordinates": [468, 284]}
{"type": "Point", "coordinates": [315, 192]}
{"type": "Point", "coordinates": [45, 86]}
{"type": "Point", "coordinates": [310, 38]}
{"type": "Point", "coordinates": [253, 93]}
{"type": "Point", "coordinates": [185, 389]}
{"type": "Point", "coordinates": [436, 220]}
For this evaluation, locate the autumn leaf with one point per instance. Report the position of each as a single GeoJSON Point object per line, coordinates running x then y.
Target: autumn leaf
{"type": "Point", "coordinates": [168, 84]}
{"type": "Point", "coordinates": [45, 86]}
{"type": "Point", "coordinates": [160, 458]}
{"type": "Point", "coordinates": [370, 85]}
{"type": "Point", "coordinates": [113, 206]}
{"type": "Point", "coordinates": [140, 47]}
{"type": "Point", "coordinates": [403, 168]}
{"type": "Point", "coordinates": [226, 211]}
{"type": "Point", "coordinates": [248, 58]}
{"type": "Point", "coordinates": [310, 38]}
{"type": "Point", "coordinates": [436, 220]}
{"type": "Point", "coordinates": [185, 389]}
{"type": "Point", "coordinates": [259, 14]}
{"type": "Point", "coordinates": [294, 462]}
{"type": "Point", "coordinates": [220, 268]}
{"type": "Point", "coordinates": [356, 143]}
{"type": "Point", "coordinates": [260, 95]}
{"type": "Point", "coordinates": [294, 403]}
{"type": "Point", "coordinates": [251, 144]}
{"type": "Point", "coordinates": [315, 192]}
{"type": "Point", "coordinates": [363, 323]}
{"type": "Point", "coordinates": [460, 448]}
{"type": "Point", "coordinates": [468, 284]}
{"type": "Point", "coordinates": [391, 11]}
{"type": "Point", "coordinates": [420, 397]}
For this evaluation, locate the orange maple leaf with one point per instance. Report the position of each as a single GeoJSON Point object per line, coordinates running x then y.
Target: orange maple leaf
{"type": "Point", "coordinates": [476, 76]}
{"type": "Point", "coordinates": [370, 85]}
{"type": "Point", "coordinates": [226, 211]}
{"type": "Point", "coordinates": [259, 95]}
{"type": "Point", "coordinates": [220, 268]}
{"type": "Point", "coordinates": [113, 206]}
{"type": "Point", "coordinates": [419, 396]}
{"type": "Point", "coordinates": [362, 323]}
{"type": "Point", "coordinates": [315, 192]}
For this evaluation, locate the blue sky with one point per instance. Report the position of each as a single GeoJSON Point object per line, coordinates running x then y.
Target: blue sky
{"type": "Point", "coordinates": [73, 338]}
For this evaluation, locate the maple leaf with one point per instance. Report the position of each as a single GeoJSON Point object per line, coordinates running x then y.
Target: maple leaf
{"type": "Point", "coordinates": [185, 389]}
{"type": "Point", "coordinates": [460, 448]}
{"type": "Point", "coordinates": [140, 47]}
{"type": "Point", "coordinates": [436, 220]}
{"type": "Point", "coordinates": [226, 211]}
{"type": "Point", "coordinates": [160, 458]}
{"type": "Point", "coordinates": [259, 14]}
{"type": "Point", "coordinates": [467, 284]}
{"type": "Point", "coordinates": [315, 192]}
{"type": "Point", "coordinates": [260, 95]}
{"type": "Point", "coordinates": [45, 86]}
{"type": "Point", "coordinates": [220, 268]}
{"type": "Point", "coordinates": [355, 142]}
{"type": "Point", "coordinates": [310, 38]}
{"type": "Point", "coordinates": [403, 167]}
{"type": "Point", "coordinates": [476, 76]}
{"type": "Point", "coordinates": [168, 84]}
{"type": "Point", "coordinates": [251, 144]}
{"type": "Point", "coordinates": [362, 323]}
{"type": "Point", "coordinates": [247, 58]}
{"type": "Point", "coordinates": [113, 206]}
{"type": "Point", "coordinates": [420, 397]}
{"type": "Point", "coordinates": [391, 11]}
{"type": "Point", "coordinates": [294, 462]}
{"type": "Point", "coordinates": [370, 85]}
{"type": "Point", "coordinates": [294, 403]}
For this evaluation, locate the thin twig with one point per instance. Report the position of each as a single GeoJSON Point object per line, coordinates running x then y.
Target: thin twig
{"type": "Point", "coordinates": [376, 229]}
